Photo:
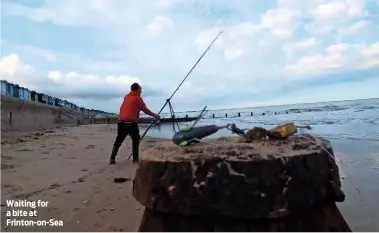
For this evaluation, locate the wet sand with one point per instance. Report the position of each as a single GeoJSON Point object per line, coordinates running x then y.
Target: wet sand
{"type": "Point", "coordinates": [69, 168]}
{"type": "Point", "coordinates": [360, 182]}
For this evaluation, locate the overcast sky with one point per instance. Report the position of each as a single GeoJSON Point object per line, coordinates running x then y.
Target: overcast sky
{"type": "Point", "coordinates": [274, 52]}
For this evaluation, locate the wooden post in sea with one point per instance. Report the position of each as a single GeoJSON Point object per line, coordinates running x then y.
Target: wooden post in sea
{"type": "Point", "coordinates": [290, 185]}
{"type": "Point", "coordinates": [239, 114]}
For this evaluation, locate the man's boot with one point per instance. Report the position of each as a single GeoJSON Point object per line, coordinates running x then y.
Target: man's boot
{"type": "Point", "coordinates": [112, 159]}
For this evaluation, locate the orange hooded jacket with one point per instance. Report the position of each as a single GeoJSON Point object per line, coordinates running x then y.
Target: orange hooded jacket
{"type": "Point", "coordinates": [131, 106]}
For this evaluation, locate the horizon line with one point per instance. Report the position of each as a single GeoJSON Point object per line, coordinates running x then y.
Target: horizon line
{"type": "Point", "coordinates": [260, 106]}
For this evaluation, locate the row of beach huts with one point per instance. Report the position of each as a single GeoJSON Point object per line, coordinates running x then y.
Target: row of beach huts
{"type": "Point", "coordinates": [14, 90]}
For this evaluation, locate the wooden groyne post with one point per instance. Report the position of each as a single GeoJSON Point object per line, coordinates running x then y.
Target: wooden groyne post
{"type": "Point", "coordinates": [290, 185]}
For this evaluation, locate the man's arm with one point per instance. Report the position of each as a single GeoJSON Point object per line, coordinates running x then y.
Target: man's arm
{"type": "Point", "coordinates": [146, 110]}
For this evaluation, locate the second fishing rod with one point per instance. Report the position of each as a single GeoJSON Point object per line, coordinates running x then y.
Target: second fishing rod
{"type": "Point", "coordinates": [169, 99]}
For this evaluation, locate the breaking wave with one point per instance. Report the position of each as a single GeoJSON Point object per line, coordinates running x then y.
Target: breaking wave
{"type": "Point", "coordinates": [321, 109]}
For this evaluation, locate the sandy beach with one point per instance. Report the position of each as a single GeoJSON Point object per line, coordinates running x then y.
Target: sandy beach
{"type": "Point", "coordinates": [68, 168]}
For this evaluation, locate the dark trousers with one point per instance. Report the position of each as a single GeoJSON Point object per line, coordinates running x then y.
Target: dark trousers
{"type": "Point", "coordinates": [128, 128]}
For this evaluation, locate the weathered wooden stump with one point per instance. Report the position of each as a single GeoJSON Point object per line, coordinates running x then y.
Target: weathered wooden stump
{"type": "Point", "coordinates": [289, 185]}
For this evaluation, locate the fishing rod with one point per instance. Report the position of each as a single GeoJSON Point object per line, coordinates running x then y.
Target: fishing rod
{"type": "Point", "coordinates": [193, 67]}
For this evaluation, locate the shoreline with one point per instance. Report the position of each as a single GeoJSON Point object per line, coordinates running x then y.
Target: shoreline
{"type": "Point", "coordinates": [68, 167]}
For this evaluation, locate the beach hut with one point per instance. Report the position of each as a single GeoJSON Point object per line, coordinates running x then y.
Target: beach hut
{"type": "Point", "coordinates": [16, 92]}
{"type": "Point", "coordinates": [11, 89]}
{"type": "Point", "coordinates": [21, 93]}
{"type": "Point", "coordinates": [56, 102]}
{"type": "Point", "coordinates": [27, 94]}
{"type": "Point", "coordinates": [41, 98]}
{"type": "Point", "coordinates": [52, 101]}
{"type": "Point", "coordinates": [33, 96]}
{"type": "Point", "coordinates": [64, 103]}
{"type": "Point", "coordinates": [36, 97]}
{"type": "Point", "coordinates": [49, 100]}
{"type": "Point", "coordinates": [60, 103]}
{"type": "Point", "coordinates": [7, 87]}
{"type": "Point", "coordinates": [44, 98]}
{"type": "Point", "coordinates": [3, 87]}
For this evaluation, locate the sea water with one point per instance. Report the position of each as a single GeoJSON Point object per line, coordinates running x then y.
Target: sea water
{"type": "Point", "coordinates": [355, 119]}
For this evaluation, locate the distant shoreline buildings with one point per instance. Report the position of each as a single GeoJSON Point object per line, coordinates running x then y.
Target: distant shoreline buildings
{"type": "Point", "coordinates": [17, 91]}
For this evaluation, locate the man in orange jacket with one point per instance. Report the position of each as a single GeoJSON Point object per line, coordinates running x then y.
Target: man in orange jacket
{"type": "Point", "coordinates": [127, 121]}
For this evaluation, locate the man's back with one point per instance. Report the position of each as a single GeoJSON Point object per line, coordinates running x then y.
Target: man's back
{"type": "Point", "coordinates": [131, 106]}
